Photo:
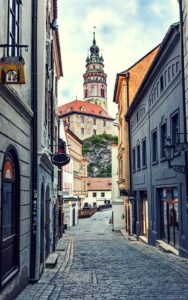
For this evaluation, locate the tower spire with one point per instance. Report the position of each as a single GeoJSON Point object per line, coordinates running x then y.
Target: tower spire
{"type": "Point", "coordinates": [94, 41]}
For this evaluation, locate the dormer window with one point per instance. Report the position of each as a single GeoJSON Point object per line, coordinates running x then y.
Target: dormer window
{"type": "Point", "coordinates": [82, 108]}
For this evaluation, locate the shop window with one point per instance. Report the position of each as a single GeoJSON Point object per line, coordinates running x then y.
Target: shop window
{"type": "Point", "coordinates": [14, 26]}
{"type": "Point", "coordinates": [154, 147]}
{"type": "Point", "coordinates": [144, 154]}
{"type": "Point", "coordinates": [169, 216]}
{"type": "Point", "coordinates": [9, 240]}
{"type": "Point", "coordinates": [163, 139]}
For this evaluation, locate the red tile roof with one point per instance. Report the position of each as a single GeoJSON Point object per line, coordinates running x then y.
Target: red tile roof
{"type": "Point", "coordinates": [83, 107]}
{"type": "Point", "coordinates": [99, 184]}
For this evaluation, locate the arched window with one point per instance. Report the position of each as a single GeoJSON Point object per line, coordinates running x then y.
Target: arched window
{"type": "Point", "coordinates": [10, 215]}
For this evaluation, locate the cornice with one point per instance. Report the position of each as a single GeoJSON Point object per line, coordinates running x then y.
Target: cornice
{"type": "Point", "coordinates": [12, 97]}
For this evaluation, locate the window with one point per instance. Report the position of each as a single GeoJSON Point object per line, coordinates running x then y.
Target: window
{"type": "Point", "coordinates": [86, 94]}
{"type": "Point", "coordinates": [102, 194]}
{"type": "Point", "coordinates": [144, 157]}
{"type": "Point", "coordinates": [94, 121]}
{"type": "Point", "coordinates": [138, 157]}
{"type": "Point", "coordinates": [161, 83]}
{"type": "Point", "coordinates": [154, 146]}
{"type": "Point", "coordinates": [94, 132]}
{"type": "Point", "coordinates": [134, 160]}
{"type": "Point", "coordinates": [169, 74]}
{"type": "Point", "coordinates": [14, 27]}
{"type": "Point", "coordinates": [10, 207]}
{"type": "Point", "coordinates": [82, 131]}
{"type": "Point", "coordinates": [121, 168]}
{"type": "Point", "coordinates": [82, 119]}
{"type": "Point", "coordinates": [104, 123]}
{"type": "Point", "coordinates": [94, 195]}
{"type": "Point", "coordinates": [175, 128]}
{"type": "Point", "coordinates": [102, 93]}
{"type": "Point", "coordinates": [163, 139]}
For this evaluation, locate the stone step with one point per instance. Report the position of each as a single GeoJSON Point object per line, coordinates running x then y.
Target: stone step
{"type": "Point", "coordinates": [51, 260]}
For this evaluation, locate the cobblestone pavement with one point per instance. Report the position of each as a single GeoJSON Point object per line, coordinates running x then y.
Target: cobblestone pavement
{"type": "Point", "coordinates": [96, 263]}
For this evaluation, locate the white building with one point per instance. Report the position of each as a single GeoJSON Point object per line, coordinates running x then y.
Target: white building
{"type": "Point", "coordinates": [99, 192]}
{"type": "Point", "coordinates": [118, 213]}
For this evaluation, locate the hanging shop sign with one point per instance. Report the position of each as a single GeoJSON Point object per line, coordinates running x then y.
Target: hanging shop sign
{"type": "Point", "coordinates": [12, 70]}
{"type": "Point", "coordinates": [60, 159]}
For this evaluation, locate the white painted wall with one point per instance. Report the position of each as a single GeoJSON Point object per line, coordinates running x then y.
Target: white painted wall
{"type": "Point", "coordinates": [100, 200]}
{"type": "Point", "coordinates": [118, 208]}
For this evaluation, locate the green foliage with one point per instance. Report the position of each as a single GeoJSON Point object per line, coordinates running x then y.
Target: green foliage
{"type": "Point", "coordinates": [97, 142]}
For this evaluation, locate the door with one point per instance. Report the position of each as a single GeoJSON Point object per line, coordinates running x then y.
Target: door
{"type": "Point", "coordinates": [42, 226]}
{"type": "Point", "coordinates": [73, 217]}
{"type": "Point", "coordinates": [47, 227]}
{"type": "Point", "coordinates": [10, 206]}
{"type": "Point", "coordinates": [144, 213]}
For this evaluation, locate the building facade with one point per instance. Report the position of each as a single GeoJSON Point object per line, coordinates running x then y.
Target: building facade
{"type": "Point", "coordinates": [86, 119]}
{"type": "Point", "coordinates": [79, 165]}
{"type": "Point", "coordinates": [95, 84]}
{"type": "Point", "coordinates": [16, 115]}
{"type": "Point", "coordinates": [45, 180]}
{"type": "Point", "coordinates": [160, 214]}
{"type": "Point", "coordinates": [126, 86]}
{"type": "Point", "coordinates": [118, 208]}
{"type": "Point", "coordinates": [99, 192]}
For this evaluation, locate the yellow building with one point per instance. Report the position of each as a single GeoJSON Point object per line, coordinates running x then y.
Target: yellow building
{"type": "Point", "coordinates": [79, 165]}
{"type": "Point", "coordinates": [126, 86]}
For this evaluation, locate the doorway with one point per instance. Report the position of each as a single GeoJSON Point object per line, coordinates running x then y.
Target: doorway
{"type": "Point", "coordinates": [144, 213]}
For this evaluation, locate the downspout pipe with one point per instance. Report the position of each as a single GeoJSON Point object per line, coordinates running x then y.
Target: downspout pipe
{"type": "Point", "coordinates": [184, 100]}
{"type": "Point", "coordinates": [34, 145]}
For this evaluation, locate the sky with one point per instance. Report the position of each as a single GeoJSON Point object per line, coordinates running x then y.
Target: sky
{"type": "Point", "coordinates": [125, 31]}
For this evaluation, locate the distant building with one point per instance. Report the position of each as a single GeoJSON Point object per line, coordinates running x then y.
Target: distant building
{"type": "Point", "coordinates": [86, 119]}
{"type": "Point", "coordinates": [79, 165]}
{"type": "Point", "coordinates": [99, 192]}
{"type": "Point", "coordinates": [95, 85]}
{"type": "Point", "coordinates": [118, 208]}
{"type": "Point", "coordinates": [90, 116]}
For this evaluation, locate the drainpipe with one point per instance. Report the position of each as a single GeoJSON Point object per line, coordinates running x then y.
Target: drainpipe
{"type": "Point", "coordinates": [184, 98]}
{"type": "Point", "coordinates": [34, 142]}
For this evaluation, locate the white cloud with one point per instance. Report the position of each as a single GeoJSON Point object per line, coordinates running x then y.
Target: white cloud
{"type": "Point", "coordinates": [126, 31]}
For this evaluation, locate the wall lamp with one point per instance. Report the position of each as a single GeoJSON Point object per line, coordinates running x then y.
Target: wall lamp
{"type": "Point", "coordinates": [170, 150]}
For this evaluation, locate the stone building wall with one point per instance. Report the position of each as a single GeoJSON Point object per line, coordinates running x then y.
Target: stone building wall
{"type": "Point", "coordinates": [185, 39]}
{"type": "Point", "coordinates": [84, 126]}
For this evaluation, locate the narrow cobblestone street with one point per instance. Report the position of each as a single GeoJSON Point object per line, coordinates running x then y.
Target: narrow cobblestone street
{"type": "Point", "coordinates": [96, 263]}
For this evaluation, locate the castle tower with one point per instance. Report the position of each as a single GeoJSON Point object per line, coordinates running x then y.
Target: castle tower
{"type": "Point", "coordinates": [95, 86]}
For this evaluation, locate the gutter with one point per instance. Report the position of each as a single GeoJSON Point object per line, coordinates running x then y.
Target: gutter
{"type": "Point", "coordinates": [34, 144]}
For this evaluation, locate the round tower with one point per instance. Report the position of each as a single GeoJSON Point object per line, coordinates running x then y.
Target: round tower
{"type": "Point", "coordinates": [95, 86]}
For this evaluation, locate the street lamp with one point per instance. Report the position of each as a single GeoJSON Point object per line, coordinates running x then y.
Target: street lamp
{"type": "Point", "coordinates": [169, 150]}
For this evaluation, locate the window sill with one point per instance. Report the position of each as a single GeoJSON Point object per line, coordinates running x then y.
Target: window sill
{"type": "Point", "coordinates": [163, 159]}
{"type": "Point", "coordinates": [10, 276]}
{"type": "Point", "coordinates": [154, 162]}
{"type": "Point", "coordinates": [138, 170]}
{"type": "Point", "coordinates": [144, 167]}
